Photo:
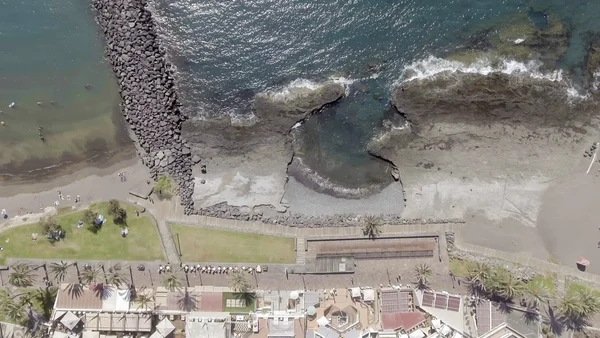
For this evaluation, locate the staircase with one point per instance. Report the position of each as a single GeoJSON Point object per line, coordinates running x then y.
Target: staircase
{"type": "Point", "coordinates": [300, 250]}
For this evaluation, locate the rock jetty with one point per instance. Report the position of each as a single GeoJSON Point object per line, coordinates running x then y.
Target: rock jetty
{"type": "Point", "coordinates": [148, 91]}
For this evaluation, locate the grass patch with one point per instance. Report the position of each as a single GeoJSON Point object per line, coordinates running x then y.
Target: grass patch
{"type": "Point", "coordinates": [459, 268]}
{"type": "Point", "coordinates": [142, 242]}
{"type": "Point", "coordinates": [211, 245]}
{"type": "Point", "coordinates": [236, 297]}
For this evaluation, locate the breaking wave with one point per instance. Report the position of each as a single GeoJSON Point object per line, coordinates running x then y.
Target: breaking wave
{"type": "Point", "coordinates": [432, 67]}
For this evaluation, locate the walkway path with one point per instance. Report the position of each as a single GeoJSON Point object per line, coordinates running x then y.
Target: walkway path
{"type": "Point", "coordinates": [172, 212]}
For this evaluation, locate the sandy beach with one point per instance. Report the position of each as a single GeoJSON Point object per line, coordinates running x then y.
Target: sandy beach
{"type": "Point", "coordinates": [91, 184]}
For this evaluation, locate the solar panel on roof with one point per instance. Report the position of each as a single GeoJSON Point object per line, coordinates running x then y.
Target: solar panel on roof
{"type": "Point", "coordinates": [403, 302]}
{"type": "Point", "coordinates": [441, 301]}
{"type": "Point", "coordinates": [427, 298]}
{"type": "Point", "coordinates": [453, 303]}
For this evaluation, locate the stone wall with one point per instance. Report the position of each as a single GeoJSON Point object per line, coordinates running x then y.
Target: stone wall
{"type": "Point", "coordinates": [149, 98]}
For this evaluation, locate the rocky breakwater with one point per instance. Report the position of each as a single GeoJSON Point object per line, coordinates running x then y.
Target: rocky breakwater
{"type": "Point", "coordinates": [148, 90]}
{"type": "Point", "coordinates": [467, 142]}
{"type": "Point", "coordinates": [245, 164]}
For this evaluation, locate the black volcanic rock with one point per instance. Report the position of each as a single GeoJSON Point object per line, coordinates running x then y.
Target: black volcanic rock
{"type": "Point", "coordinates": [146, 86]}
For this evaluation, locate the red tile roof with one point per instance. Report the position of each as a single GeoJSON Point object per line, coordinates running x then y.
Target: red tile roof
{"type": "Point", "coordinates": [402, 320]}
{"type": "Point", "coordinates": [211, 302]}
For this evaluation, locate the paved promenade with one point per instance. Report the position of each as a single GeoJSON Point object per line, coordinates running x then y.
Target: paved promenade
{"type": "Point", "coordinates": [367, 272]}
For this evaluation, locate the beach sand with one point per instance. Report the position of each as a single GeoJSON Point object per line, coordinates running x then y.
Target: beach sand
{"type": "Point", "coordinates": [91, 184]}
{"type": "Point", "coordinates": [569, 219]}
{"type": "Point", "coordinates": [305, 201]}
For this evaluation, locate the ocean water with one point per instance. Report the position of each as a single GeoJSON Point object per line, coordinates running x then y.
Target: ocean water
{"type": "Point", "coordinates": [51, 53]}
{"type": "Point", "coordinates": [226, 51]}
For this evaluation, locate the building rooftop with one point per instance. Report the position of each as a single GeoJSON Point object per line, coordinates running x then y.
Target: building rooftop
{"type": "Point", "coordinates": [444, 306]}
{"type": "Point", "coordinates": [396, 300]}
{"type": "Point", "coordinates": [75, 297]}
{"type": "Point", "coordinates": [488, 317]}
{"type": "Point", "coordinates": [207, 325]}
{"type": "Point", "coordinates": [402, 321]}
{"type": "Point", "coordinates": [491, 322]}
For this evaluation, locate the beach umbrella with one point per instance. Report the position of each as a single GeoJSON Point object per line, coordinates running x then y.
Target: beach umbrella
{"type": "Point", "coordinates": [70, 320]}
{"type": "Point", "coordinates": [165, 327]}
{"type": "Point", "coordinates": [294, 295]}
{"type": "Point", "coordinates": [311, 311]}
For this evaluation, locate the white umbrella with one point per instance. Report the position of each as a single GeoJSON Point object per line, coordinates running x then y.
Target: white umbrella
{"type": "Point", "coordinates": [311, 311]}
{"type": "Point", "coordinates": [70, 320]}
{"type": "Point", "coordinates": [156, 334]}
{"type": "Point", "coordinates": [165, 327]}
{"type": "Point", "coordinates": [294, 295]}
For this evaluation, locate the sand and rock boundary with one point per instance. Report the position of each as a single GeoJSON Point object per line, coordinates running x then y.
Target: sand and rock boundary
{"type": "Point", "coordinates": [148, 91]}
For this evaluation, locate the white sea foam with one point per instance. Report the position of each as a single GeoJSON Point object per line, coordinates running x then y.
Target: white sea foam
{"type": "Point", "coordinates": [293, 88]}
{"type": "Point", "coordinates": [346, 82]}
{"type": "Point", "coordinates": [433, 66]}
{"type": "Point", "coordinates": [596, 77]}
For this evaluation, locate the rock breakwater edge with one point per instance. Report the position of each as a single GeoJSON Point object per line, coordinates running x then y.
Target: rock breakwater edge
{"type": "Point", "coordinates": [151, 108]}
{"type": "Point", "coordinates": [149, 98]}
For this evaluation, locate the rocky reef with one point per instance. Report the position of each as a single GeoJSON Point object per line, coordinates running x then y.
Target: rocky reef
{"type": "Point", "coordinates": [467, 142]}
{"type": "Point", "coordinates": [520, 38]}
{"type": "Point", "coordinates": [246, 163]}
{"type": "Point", "coordinates": [148, 91]}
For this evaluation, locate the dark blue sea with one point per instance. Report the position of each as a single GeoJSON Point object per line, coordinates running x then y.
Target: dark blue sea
{"type": "Point", "coordinates": [227, 51]}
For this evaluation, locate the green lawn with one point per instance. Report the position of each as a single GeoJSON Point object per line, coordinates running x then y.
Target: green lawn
{"type": "Point", "coordinates": [142, 242]}
{"type": "Point", "coordinates": [459, 268]}
{"type": "Point", "coordinates": [210, 245]}
{"type": "Point", "coordinates": [237, 297]}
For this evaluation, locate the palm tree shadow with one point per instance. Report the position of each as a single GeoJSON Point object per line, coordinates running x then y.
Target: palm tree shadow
{"type": "Point", "coordinates": [187, 301]}
{"type": "Point", "coordinates": [505, 307]}
{"type": "Point", "coordinates": [555, 323]}
{"type": "Point", "coordinates": [531, 317]}
{"type": "Point", "coordinates": [75, 290]}
{"type": "Point", "coordinates": [247, 297]}
{"type": "Point", "coordinates": [101, 291]}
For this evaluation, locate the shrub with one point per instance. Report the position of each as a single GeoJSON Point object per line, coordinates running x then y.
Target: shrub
{"type": "Point", "coordinates": [51, 229]}
{"type": "Point", "coordinates": [120, 216]}
{"type": "Point", "coordinates": [113, 207]}
{"type": "Point", "coordinates": [89, 217]}
{"type": "Point", "coordinates": [165, 187]}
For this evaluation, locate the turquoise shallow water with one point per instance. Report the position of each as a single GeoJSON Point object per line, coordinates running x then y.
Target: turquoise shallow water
{"type": "Point", "coordinates": [225, 52]}
{"type": "Point", "coordinates": [50, 51]}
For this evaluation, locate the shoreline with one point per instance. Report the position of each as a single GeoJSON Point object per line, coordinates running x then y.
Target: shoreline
{"type": "Point", "coordinates": [16, 189]}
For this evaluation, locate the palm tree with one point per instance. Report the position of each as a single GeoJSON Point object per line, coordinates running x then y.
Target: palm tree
{"type": "Point", "coordinates": [116, 276]}
{"type": "Point", "coordinates": [536, 293]}
{"type": "Point", "coordinates": [144, 299]}
{"type": "Point", "coordinates": [423, 276]}
{"type": "Point", "coordinates": [372, 226]}
{"type": "Point", "coordinates": [20, 275]}
{"type": "Point", "coordinates": [478, 276]}
{"type": "Point", "coordinates": [59, 271]}
{"type": "Point", "coordinates": [579, 304]}
{"type": "Point", "coordinates": [13, 310]}
{"type": "Point", "coordinates": [90, 275]}
{"type": "Point", "coordinates": [46, 297]}
{"type": "Point", "coordinates": [506, 285]}
{"type": "Point", "coordinates": [239, 283]}
{"type": "Point", "coordinates": [569, 306]}
{"type": "Point", "coordinates": [172, 281]}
